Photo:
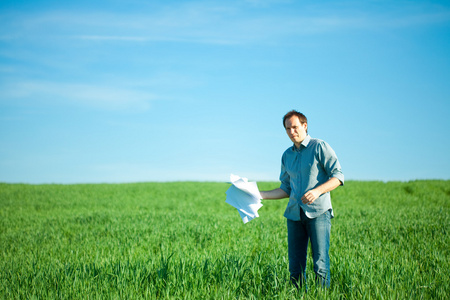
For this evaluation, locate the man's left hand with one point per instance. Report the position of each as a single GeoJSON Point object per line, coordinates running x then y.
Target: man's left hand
{"type": "Point", "coordinates": [310, 196]}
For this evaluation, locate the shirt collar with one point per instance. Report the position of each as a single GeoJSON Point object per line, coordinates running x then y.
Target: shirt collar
{"type": "Point", "coordinates": [304, 143]}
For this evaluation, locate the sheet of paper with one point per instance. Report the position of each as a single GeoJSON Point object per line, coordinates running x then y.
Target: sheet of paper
{"type": "Point", "coordinates": [245, 197]}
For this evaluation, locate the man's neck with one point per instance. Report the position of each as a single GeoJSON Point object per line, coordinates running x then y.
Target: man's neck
{"type": "Point", "coordinates": [297, 145]}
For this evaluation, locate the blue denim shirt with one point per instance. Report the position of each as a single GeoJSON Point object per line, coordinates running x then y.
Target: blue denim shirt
{"type": "Point", "coordinates": [305, 168]}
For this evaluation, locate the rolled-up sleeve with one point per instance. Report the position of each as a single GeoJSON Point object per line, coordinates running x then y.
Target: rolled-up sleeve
{"type": "Point", "coordinates": [284, 178]}
{"type": "Point", "coordinates": [330, 162]}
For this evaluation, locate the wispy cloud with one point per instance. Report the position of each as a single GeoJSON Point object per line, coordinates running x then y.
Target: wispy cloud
{"type": "Point", "coordinates": [113, 38]}
{"type": "Point", "coordinates": [201, 22]}
{"type": "Point", "coordinates": [94, 96]}
{"type": "Point", "coordinates": [199, 40]}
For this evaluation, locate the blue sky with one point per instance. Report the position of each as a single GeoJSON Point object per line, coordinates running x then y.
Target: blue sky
{"type": "Point", "coordinates": [128, 91]}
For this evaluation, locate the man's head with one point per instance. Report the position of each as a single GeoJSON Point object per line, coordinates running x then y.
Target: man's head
{"type": "Point", "coordinates": [296, 126]}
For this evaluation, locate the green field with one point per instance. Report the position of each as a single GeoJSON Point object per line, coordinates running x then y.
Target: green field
{"type": "Point", "coordinates": [182, 241]}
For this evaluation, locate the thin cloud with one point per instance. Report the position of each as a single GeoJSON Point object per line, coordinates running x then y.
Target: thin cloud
{"type": "Point", "coordinates": [112, 38]}
{"type": "Point", "coordinates": [94, 96]}
{"type": "Point", "coordinates": [199, 22]}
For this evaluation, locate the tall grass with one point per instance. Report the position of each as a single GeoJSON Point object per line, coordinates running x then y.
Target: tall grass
{"type": "Point", "coordinates": [182, 241]}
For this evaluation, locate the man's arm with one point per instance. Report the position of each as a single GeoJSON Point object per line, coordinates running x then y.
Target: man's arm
{"type": "Point", "coordinates": [274, 194]}
{"type": "Point", "coordinates": [311, 195]}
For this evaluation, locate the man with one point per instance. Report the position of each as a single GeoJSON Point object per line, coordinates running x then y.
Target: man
{"type": "Point", "coordinates": [309, 171]}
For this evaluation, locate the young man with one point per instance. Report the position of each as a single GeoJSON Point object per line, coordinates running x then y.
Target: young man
{"type": "Point", "coordinates": [309, 171]}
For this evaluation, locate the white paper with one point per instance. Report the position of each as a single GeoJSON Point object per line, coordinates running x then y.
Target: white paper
{"type": "Point", "coordinates": [245, 197]}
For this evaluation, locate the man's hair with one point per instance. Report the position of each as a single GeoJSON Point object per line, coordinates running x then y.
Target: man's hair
{"type": "Point", "coordinates": [301, 117]}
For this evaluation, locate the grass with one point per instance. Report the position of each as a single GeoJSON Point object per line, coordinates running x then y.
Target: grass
{"type": "Point", "coordinates": [182, 241]}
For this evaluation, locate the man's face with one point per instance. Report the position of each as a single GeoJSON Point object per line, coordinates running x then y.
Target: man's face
{"type": "Point", "coordinates": [295, 130]}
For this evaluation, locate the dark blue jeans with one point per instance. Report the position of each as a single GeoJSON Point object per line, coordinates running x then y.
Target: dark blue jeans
{"type": "Point", "coordinates": [317, 231]}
